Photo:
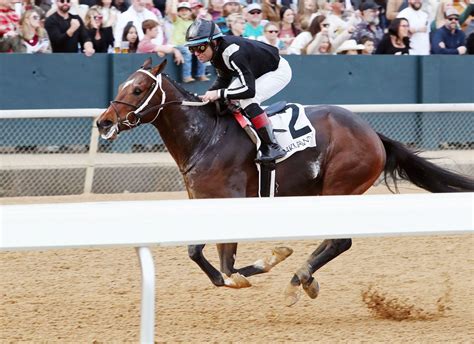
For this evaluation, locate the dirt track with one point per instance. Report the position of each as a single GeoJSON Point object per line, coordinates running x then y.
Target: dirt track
{"type": "Point", "coordinates": [94, 295]}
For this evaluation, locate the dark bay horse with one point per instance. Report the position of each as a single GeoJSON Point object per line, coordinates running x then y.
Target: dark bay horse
{"type": "Point", "coordinates": [216, 159]}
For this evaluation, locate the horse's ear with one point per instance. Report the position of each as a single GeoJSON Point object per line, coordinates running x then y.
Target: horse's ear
{"type": "Point", "coordinates": [147, 63]}
{"type": "Point", "coordinates": [158, 69]}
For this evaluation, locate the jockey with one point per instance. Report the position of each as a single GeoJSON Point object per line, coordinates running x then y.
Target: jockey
{"type": "Point", "coordinates": [259, 71]}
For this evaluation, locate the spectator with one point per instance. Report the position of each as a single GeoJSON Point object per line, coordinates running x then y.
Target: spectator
{"type": "Point", "coordinates": [66, 31]}
{"type": "Point", "coordinates": [309, 42]}
{"type": "Point", "coordinates": [370, 23]}
{"type": "Point", "coordinates": [121, 5]}
{"type": "Point", "coordinates": [306, 11]}
{"type": "Point", "coordinates": [136, 13]}
{"type": "Point", "coordinates": [9, 28]}
{"type": "Point", "coordinates": [34, 36]}
{"type": "Point", "coordinates": [216, 8]}
{"type": "Point", "coordinates": [229, 7]}
{"type": "Point", "coordinates": [449, 39]}
{"type": "Point", "coordinates": [338, 22]}
{"type": "Point", "coordinates": [181, 15]}
{"type": "Point", "coordinates": [150, 6]}
{"type": "Point", "coordinates": [394, 7]}
{"type": "Point", "coordinates": [147, 45]}
{"type": "Point", "coordinates": [439, 19]}
{"type": "Point", "coordinates": [236, 24]}
{"type": "Point", "coordinates": [109, 13]}
{"type": "Point", "coordinates": [368, 44]}
{"type": "Point", "coordinates": [288, 29]}
{"type": "Point", "coordinates": [102, 37]}
{"type": "Point", "coordinates": [74, 8]}
{"type": "Point", "coordinates": [253, 28]}
{"type": "Point", "coordinates": [270, 36]}
{"type": "Point", "coordinates": [395, 41]}
{"type": "Point", "coordinates": [199, 12]}
{"type": "Point", "coordinates": [470, 44]}
{"type": "Point", "coordinates": [130, 35]}
{"type": "Point", "coordinates": [271, 10]}
{"type": "Point", "coordinates": [350, 47]}
{"type": "Point", "coordinates": [419, 27]}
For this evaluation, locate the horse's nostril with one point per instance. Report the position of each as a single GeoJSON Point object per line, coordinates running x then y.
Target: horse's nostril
{"type": "Point", "coordinates": [105, 124]}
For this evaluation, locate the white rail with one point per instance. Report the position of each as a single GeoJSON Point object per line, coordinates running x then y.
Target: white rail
{"type": "Point", "coordinates": [94, 112]}
{"type": "Point", "coordinates": [43, 226]}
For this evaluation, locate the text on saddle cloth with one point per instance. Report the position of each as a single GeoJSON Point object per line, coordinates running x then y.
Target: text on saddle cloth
{"type": "Point", "coordinates": [293, 130]}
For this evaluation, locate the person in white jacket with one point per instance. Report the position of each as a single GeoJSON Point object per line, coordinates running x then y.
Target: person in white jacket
{"type": "Point", "coordinates": [419, 27]}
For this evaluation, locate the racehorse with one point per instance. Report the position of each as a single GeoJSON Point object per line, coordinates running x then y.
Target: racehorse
{"type": "Point", "coordinates": [216, 159]}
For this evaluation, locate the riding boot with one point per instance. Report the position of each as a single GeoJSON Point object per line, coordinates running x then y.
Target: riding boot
{"type": "Point", "coordinates": [270, 149]}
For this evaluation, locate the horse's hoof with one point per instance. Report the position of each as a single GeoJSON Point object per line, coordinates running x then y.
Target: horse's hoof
{"type": "Point", "coordinates": [312, 288]}
{"type": "Point", "coordinates": [292, 295]}
{"type": "Point", "coordinates": [236, 281]}
{"type": "Point", "coordinates": [281, 253]}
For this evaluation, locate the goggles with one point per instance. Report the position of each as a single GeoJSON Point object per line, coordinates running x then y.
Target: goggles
{"type": "Point", "coordinates": [198, 48]}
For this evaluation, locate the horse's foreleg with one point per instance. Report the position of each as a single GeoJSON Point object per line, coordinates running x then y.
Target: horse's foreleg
{"type": "Point", "coordinates": [216, 277]}
{"type": "Point", "coordinates": [195, 253]}
{"type": "Point", "coordinates": [327, 251]}
{"type": "Point", "coordinates": [227, 253]}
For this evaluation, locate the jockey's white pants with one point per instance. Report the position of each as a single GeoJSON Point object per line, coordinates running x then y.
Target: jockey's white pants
{"type": "Point", "coordinates": [268, 84]}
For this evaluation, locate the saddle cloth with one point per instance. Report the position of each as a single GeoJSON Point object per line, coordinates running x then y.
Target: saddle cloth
{"type": "Point", "coordinates": [293, 130]}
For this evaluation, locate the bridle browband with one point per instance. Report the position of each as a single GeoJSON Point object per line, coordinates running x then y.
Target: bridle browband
{"type": "Point", "coordinates": [139, 112]}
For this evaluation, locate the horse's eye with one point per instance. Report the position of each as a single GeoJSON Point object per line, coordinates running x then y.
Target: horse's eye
{"type": "Point", "coordinates": [137, 91]}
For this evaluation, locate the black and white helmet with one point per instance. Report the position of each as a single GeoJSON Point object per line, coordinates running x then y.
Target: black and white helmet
{"type": "Point", "coordinates": [202, 31]}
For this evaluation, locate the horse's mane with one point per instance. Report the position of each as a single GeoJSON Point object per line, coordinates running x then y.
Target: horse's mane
{"type": "Point", "coordinates": [188, 95]}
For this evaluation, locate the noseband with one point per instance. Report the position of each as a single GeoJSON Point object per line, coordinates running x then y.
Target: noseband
{"type": "Point", "coordinates": [137, 112]}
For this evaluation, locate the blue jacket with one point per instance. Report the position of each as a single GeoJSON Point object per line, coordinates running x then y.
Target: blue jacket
{"type": "Point", "coordinates": [451, 40]}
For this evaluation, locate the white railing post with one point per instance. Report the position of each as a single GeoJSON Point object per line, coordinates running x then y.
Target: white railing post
{"type": "Point", "coordinates": [147, 322]}
{"type": "Point", "coordinates": [93, 148]}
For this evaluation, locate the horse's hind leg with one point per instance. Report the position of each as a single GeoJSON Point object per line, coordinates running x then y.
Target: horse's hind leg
{"type": "Point", "coordinates": [326, 251]}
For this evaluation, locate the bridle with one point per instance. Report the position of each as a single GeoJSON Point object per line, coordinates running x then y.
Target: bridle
{"type": "Point", "coordinates": [139, 110]}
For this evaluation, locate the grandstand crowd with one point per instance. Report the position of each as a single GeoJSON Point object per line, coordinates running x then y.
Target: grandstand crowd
{"type": "Point", "coordinates": [301, 27]}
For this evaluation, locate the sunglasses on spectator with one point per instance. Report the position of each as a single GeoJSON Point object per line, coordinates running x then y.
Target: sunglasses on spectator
{"type": "Point", "coordinates": [64, 1]}
{"type": "Point", "coordinates": [453, 19]}
{"type": "Point", "coordinates": [198, 48]}
{"type": "Point", "coordinates": [98, 17]}
{"type": "Point", "coordinates": [255, 12]}
{"type": "Point", "coordinates": [325, 25]}
{"type": "Point", "coordinates": [273, 31]}
{"type": "Point", "coordinates": [35, 17]}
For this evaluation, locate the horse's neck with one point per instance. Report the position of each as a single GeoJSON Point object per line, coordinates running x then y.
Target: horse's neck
{"type": "Point", "coordinates": [185, 130]}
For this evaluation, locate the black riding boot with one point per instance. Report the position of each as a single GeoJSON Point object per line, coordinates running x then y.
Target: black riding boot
{"type": "Point", "coordinates": [270, 149]}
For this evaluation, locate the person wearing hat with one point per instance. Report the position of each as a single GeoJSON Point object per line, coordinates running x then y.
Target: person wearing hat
{"type": "Point", "coordinates": [199, 11]}
{"type": "Point", "coordinates": [254, 28]}
{"type": "Point", "coordinates": [350, 47]}
{"type": "Point", "coordinates": [369, 26]}
{"type": "Point", "coordinates": [449, 39]}
{"type": "Point", "coordinates": [181, 16]}
{"type": "Point", "coordinates": [248, 71]}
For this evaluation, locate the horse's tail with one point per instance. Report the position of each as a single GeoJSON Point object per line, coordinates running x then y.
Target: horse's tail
{"type": "Point", "coordinates": [403, 164]}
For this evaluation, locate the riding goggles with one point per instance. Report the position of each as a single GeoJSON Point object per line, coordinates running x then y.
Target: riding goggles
{"type": "Point", "coordinates": [198, 48]}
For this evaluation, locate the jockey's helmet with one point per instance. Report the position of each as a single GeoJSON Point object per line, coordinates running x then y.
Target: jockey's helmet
{"type": "Point", "coordinates": [202, 31]}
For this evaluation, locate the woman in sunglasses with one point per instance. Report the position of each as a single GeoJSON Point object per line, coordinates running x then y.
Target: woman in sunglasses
{"type": "Point", "coordinates": [247, 70]}
{"type": "Point", "coordinates": [34, 37]}
{"type": "Point", "coordinates": [102, 37]}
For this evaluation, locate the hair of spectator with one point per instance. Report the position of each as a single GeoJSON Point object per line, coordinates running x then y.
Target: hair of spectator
{"type": "Point", "coordinates": [91, 13]}
{"type": "Point", "coordinates": [148, 25]}
{"type": "Point", "coordinates": [293, 25]}
{"type": "Point", "coordinates": [394, 27]}
{"type": "Point", "coordinates": [23, 27]}
{"type": "Point", "coordinates": [366, 39]}
{"type": "Point", "coordinates": [315, 26]}
{"type": "Point", "coordinates": [126, 29]}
